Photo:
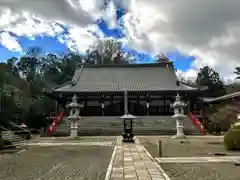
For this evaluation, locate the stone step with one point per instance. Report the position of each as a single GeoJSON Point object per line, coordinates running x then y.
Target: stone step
{"type": "Point", "coordinates": [11, 137]}
{"type": "Point", "coordinates": [144, 125]}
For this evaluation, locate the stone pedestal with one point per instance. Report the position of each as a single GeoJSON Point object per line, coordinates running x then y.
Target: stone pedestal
{"type": "Point", "coordinates": [74, 126]}
{"type": "Point", "coordinates": [179, 127]}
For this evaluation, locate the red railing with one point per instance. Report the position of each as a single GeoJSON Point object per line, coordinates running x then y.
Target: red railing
{"type": "Point", "coordinates": [197, 123]}
{"type": "Point", "coordinates": [55, 122]}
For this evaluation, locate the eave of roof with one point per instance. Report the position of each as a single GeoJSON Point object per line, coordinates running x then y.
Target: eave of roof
{"type": "Point", "coordinates": [221, 98]}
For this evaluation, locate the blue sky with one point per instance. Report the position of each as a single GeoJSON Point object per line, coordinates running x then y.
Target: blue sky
{"type": "Point", "coordinates": [52, 44]}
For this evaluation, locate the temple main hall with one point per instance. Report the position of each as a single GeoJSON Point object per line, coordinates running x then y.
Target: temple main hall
{"type": "Point", "coordinates": [151, 90]}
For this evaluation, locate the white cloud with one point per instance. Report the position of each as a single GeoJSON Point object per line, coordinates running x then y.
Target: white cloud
{"type": "Point", "coordinates": [10, 42]}
{"type": "Point", "coordinates": [61, 10]}
{"type": "Point", "coordinates": [187, 75]}
{"type": "Point", "coordinates": [29, 25]}
{"type": "Point", "coordinates": [78, 39]}
{"type": "Point", "coordinates": [208, 30]}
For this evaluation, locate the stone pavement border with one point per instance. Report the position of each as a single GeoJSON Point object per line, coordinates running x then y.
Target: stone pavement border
{"type": "Point", "coordinates": [198, 159]}
{"type": "Point", "coordinates": [191, 136]}
{"type": "Point", "coordinates": [103, 143]}
{"type": "Point", "coordinates": [133, 162]}
{"type": "Point", "coordinates": [110, 166]}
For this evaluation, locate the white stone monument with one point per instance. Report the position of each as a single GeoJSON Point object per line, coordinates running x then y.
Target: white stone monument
{"type": "Point", "coordinates": [74, 117]}
{"type": "Point", "coordinates": [179, 116]}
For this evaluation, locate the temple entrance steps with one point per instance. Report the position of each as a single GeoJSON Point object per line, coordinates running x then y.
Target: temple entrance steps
{"type": "Point", "coordinates": [110, 125]}
{"type": "Point", "coordinates": [63, 129]}
{"type": "Point", "coordinates": [10, 139]}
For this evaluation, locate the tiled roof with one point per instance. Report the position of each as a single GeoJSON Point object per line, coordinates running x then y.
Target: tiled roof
{"type": "Point", "coordinates": [130, 77]}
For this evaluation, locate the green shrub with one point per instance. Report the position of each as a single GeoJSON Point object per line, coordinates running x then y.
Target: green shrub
{"type": "Point", "coordinates": [232, 137]}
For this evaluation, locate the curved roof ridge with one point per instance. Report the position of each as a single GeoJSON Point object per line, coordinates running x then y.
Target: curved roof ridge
{"type": "Point", "coordinates": [162, 64]}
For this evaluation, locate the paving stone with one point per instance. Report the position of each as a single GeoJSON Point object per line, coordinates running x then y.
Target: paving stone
{"type": "Point", "coordinates": [161, 178]}
{"type": "Point", "coordinates": [130, 178]}
{"type": "Point", "coordinates": [144, 178]}
{"type": "Point", "coordinates": [117, 178]}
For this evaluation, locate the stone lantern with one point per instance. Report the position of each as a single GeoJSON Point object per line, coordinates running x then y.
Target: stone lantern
{"type": "Point", "coordinates": [128, 127]}
{"type": "Point", "coordinates": [74, 117]}
{"type": "Point", "coordinates": [179, 116]}
{"type": "Point", "coordinates": [128, 122]}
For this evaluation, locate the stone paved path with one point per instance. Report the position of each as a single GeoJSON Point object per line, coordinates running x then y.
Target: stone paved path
{"type": "Point", "coordinates": [132, 162]}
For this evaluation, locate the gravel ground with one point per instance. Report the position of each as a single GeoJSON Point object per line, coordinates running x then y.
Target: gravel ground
{"type": "Point", "coordinates": [56, 163]}
{"type": "Point", "coordinates": [192, 147]}
{"type": "Point", "coordinates": [202, 171]}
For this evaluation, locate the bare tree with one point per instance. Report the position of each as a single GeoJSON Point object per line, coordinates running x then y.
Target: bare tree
{"type": "Point", "coordinates": [108, 52]}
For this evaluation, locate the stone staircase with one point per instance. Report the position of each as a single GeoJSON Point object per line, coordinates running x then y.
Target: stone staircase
{"type": "Point", "coordinates": [109, 125]}
{"type": "Point", "coordinates": [10, 139]}
{"type": "Point", "coordinates": [63, 129]}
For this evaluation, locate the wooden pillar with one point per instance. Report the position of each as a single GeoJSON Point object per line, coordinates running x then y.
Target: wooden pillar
{"type": "Point", "coordinates": [147, 103]}
{"type": "Point", "coordinates": [57, 105]}
{"type": "Point", "coordinates": [125, 102]}
{"type": "Point", "coordinates": [60, 103]}
{"type": "Point", "coordinates": [202, 106]}
{"type": "Point", "coordinates": [138, 105]}
{"type": "Point", "coordinates": [189, 104]}
{"type": "Point", "coordinates": [102, 104]}
{"type": "Point", "coordinates": [111, 99]}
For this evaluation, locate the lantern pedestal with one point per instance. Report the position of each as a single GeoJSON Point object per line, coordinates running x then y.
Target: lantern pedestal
{"type": "Point", "coordinates": [179, 126]}
{"type": "Point", "coordinates": [128, 127]}
{"type": "Point", "coordinates": [74, 126]}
